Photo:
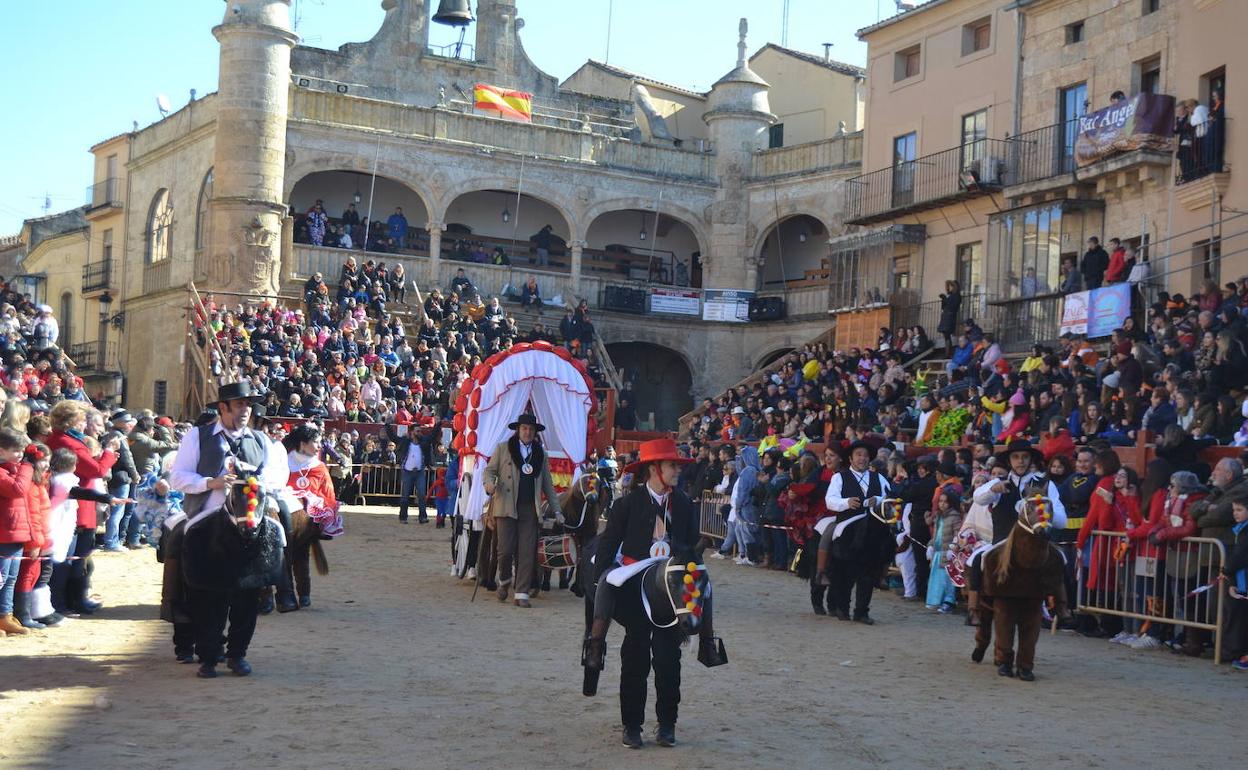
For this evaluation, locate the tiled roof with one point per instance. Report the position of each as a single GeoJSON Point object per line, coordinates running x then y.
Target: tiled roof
{"type": "Point", "coordinates": [832, 64]}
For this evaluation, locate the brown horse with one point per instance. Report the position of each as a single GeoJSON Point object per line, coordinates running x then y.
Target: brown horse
{"type": "Point", "coordinates": [1018, 574]}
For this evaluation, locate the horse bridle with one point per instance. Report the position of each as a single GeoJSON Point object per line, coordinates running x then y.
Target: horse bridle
{"type": "Point", "coordinates": [677, 609]}
{"type": "Point", "coordinates": [584, 502]}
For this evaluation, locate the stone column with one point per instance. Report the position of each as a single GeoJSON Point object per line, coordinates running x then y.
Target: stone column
{"type": "Point", "coordinates": [577, 247]}
{"type": "Point", "coordinates": [435, 252]}
{"type": "Point", "coordinates": [249, 161]}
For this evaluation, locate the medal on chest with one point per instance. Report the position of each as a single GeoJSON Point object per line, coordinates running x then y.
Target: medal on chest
{"type": "Point", "coordinates": [302, 482]}
{"type": "Point", "coordinates": [526, 469]}
{"type": "Point", "coordinates": [660, 548]}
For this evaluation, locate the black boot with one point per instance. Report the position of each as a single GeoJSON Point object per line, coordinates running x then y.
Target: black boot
{"type": "Point", "coordinates": [21, 611]}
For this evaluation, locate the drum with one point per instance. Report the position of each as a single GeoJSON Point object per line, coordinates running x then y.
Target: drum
{"type": "Point", "coordinates": [556, 552]}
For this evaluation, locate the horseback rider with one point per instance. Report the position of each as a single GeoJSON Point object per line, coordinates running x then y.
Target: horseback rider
{"type": "Point", "coordinates": [855, 546]}
{"type": "Point", "coordinates": [204, 469]}
{"type": "Point", "coordinates": [516, 477]}
{"type": "Point", "coordinates": [652, 519]}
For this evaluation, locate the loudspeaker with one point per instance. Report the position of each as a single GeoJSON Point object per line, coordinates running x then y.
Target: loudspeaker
{"type": "Point", "coordinates": [624, 299]}
{"type": "Point", "coordinates": [767, 309]}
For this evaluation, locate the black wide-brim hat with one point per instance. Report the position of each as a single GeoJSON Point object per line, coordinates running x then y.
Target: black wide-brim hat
{"type": "Point", "coordinates": [527, 419]}
{"type": "Point", "coordinates": [859, 444]}
{"type": "Point", "coordinates": [236, 390]}
{"type": "Point", "coordinates": [1021, 445]}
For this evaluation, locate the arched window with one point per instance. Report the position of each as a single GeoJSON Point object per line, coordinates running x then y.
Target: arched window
{"type": "Point", "coordinates": [160, 228]}
{"type": "Point", "coordinates": [66, 319]}
{"type": "Point", "coordinates": [201, 212]}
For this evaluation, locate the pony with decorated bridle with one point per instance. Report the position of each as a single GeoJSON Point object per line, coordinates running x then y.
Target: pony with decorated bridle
{"type": "Point", "coordinates": [664, 592]}
{"type": "Point", "coordinates": [236, 546]}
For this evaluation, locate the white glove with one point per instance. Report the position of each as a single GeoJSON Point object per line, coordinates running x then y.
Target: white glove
{"type": "Point", "coordinates": [931, 552]}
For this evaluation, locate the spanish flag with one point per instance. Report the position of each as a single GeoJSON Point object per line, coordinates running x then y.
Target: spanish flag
{"type": "Point", "coordinates": [517, 105]}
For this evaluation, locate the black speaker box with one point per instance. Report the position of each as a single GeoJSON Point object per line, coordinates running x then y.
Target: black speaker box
{"type": "Point", "coordinates": [767, 309]}
{"type": "Point", "coordinates": [624, 299]}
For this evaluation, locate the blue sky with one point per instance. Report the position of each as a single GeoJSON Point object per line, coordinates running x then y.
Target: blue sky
{"type": "Point", "coordinates": [79, 71]}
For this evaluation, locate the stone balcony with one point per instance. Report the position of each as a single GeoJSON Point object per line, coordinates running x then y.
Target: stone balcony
{"type": "Point", "coordinates": [456, 127]}
{"type": "Point", "coordinates": [835, 154]}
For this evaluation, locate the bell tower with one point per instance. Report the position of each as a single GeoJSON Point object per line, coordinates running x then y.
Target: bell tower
{"type": "Point", "coordinates": [243, 253]}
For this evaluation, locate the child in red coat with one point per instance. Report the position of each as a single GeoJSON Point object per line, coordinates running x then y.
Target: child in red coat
{"type": "Point", "coordinates": [39, 511]}
{"type": "Point", "coordinates": [15, 530]}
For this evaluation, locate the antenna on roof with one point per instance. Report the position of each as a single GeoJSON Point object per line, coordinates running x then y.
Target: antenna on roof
{"type": "Point", "coordinates": [784, 25]}
{"type": "Point", "coordinates": [162, 104]}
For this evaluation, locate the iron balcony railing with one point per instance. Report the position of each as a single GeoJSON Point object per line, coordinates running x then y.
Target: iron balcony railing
{"type": "Point", "coordinates": [94, 356]}
{"type": "Point", "coordinates": [1043, 153]}
{"type": "Point", "coordinates": [106, 193]}
{"type": "Point", "coordinates": [97, 275]}
{"type": "Point", "coordinates": [960, 172]}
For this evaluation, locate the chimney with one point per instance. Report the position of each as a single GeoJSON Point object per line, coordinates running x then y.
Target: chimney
{"type": "Point", "coordinates": [827, 52]}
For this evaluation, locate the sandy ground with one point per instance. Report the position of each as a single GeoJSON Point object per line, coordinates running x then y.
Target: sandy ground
{"type": "Point", "coordinates": [392, 667]}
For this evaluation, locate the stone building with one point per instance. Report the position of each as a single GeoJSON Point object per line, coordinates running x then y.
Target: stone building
{"type": "Point", "coordinates": [653, 194]}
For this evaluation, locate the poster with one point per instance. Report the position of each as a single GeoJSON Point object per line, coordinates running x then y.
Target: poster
{"type": "Point", "coordinates": [1098, 312]}
{"type": "Point", "coordinates": [726, 305]}
{"type": "Point", "coordinates": [675, 302]}
{"type": "Point", "coordinates": [1145, 121]}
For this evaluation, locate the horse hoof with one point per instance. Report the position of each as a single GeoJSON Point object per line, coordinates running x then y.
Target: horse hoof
{"type": "Point", "coordinates": [285, 607]}
{"type": "Point", "coordinates": [977, 654]}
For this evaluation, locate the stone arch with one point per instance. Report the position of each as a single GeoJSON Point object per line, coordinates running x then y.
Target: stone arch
{"type": "Point", "coordinates": [158, 228]}
{"type": "Point", "coordinates": [686, 216]}
{"type": "Point", "coordinates": [773, 355]}
{"type": "Point", "coordinates": [337, 187]}
{"type": "Point", "coordinates": [533, 189]}
{"type": "Point", "coordinates": [790, 246]}
{"type": "Point", "coordinates": [634, 243]}
{"type": "Point", "coordinates": [201, 211]}
{"type": "Point", "coordinates": [661, 377]}
{"type": "Point", "coordinates": [358, 164]}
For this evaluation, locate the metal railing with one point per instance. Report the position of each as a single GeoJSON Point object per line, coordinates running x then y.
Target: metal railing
{"type": "Point", "coordinates": [94, 357]}
{"type": "Point", "coordinates": [97, 275]}
{"type": "Point", "coordinates": [1043, 153]}
{"type": "Point", "coordinates": [1023, 322]}
{"type": "Point", "coordinates": [1178, 588]}
{"type": "Point", "coordinates": [712, 523]}
{"type": "Point", "coordinates": [105, 193]}
{"type": "Point", "coordinates": [971, 169]}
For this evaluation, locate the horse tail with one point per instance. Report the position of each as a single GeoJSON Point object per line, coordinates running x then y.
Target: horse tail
{"type": "Point", "coordinates": [318, 558]}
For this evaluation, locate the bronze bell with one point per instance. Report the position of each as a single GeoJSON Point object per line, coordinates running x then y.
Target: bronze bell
{"type": "Point", "coordinates": [453, 13]}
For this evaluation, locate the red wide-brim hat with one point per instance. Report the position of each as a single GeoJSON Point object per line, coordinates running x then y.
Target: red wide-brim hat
{"type": "Point", "coordinates": [656, 451]}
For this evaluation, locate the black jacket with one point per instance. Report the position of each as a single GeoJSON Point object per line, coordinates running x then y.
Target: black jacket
{"type": "Point", "coordinates": [630, 527]}
{"type": "Point", "coordinates": [403, 443]}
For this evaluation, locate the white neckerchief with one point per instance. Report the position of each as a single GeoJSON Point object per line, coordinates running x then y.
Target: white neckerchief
{"type": "Point", "coordinates": [526, 450]}
{"type": "Point", "coordinates": [660, 522]}
{"type": "Point", "coordinates": [864, 480]}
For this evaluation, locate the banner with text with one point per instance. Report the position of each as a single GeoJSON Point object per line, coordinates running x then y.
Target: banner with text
{"type": "Point", "coordinates": [726, 305]}
{"type": "Point", "coordinates": [1145, 121]}
{"type": "Point", "coordinates": [675, 301]}
{"type": "Point", "coordinates": [1098, 312]}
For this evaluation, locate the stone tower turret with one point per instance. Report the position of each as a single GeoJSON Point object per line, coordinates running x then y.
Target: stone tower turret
{"type": "Point", "coordinates": [738, 118]}
{"type": "Point", "coordinates": [246, 210]}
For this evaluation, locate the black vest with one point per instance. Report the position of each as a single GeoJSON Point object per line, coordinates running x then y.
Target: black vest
{"type": "Point", "coordinates": [213, 451]}
{"type": "Point", "coordinates": [851, 488]}
{"type": "Point", "coordinates": [1005, 513]}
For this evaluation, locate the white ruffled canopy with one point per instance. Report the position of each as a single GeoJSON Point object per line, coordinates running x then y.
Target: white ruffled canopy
{"type": "Point", "coordinates": [562, 399]}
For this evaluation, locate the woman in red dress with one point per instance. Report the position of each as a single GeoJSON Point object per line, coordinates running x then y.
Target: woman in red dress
{"type": "Point", "coordinates": [310, 479]}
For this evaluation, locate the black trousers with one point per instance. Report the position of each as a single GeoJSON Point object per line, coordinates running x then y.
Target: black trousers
{"type": "Point", "coordinates": [184, 639]}
{"type": "Point", "coordinates": [211, 609]}
{"type": "Point", "coordinates": [1235, 628]}
{"type": "Point", "coordinates": [644, 647]}
{"type": "Point", "coordinates": [856, 576]}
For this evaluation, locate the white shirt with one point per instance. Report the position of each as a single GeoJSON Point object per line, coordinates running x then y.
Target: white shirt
{"type": "Point", "coordinates": [833, 498]}
{"type": "Point", "coordinates": [185, 477]}
{"type": "Point", "coordinates": [985, 496]}
{"type": "Point", "coordinates": [415, 458]}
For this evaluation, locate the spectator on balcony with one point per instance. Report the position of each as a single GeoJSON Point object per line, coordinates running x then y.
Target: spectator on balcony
{"type": "Point", "coordinates": [317, 221]}
{"type": "Point", "coordinates": [461, 285]}
{"type": "Point", "coordinates": [343, 235]}
{"type": "Point", "coordinates": [1115, 273]}
{"type": "Point", "coordinates": [499, 257]}
{"type": "Point", "coordinates": [351, 221]}
{"type": "Point", "coordinates": [542, 241]}
{"type": "Point", "coordinates": [1185, 136]}
{"type": "Point", "coordinates": [396, 227]}
{"type": "Point", "coordinates": [1095, 263]}
{"type": "Point", "coordinates": [972, 331]}
{"type": "Point", "coordinates": [625, 415]}
{"type": "Point", "coordinates": [1214, 141]}
{"type": "Point", "coordinates": [1032, 285]}
{"type": "Point", "coordinates": [1072, 281]}
{"type": "Point", "coordinates": [950, 309]}
{"type": "Point", "coordinates": [530, 295]}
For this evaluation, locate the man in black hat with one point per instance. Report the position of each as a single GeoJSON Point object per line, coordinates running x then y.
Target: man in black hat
{"type": "Point", "coordinates": [516, 478]}
{"type": "Point", "coordinates": [856, 546]}
{"type": "Point", "coordinates": [203, 469]}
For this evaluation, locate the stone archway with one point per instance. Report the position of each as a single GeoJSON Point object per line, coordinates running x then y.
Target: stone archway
{"type": "Point", "coordinates": [790, 248]}
{"type": "Point", "coordinates": [491, 218]}
{"type": "Point", "coordinates": [637, 244]}
{"type": "Point", "coordinates": [661, 378]}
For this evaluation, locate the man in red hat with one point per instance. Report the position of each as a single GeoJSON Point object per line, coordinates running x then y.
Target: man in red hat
{"type": "Point", "coordinates": [653, 518]}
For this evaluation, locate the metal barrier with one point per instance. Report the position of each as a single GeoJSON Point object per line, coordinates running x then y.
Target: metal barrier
{"type": "Point", "coordinates": [712, 523]}
{"type": "Point", "coordinates": [1179, 588]}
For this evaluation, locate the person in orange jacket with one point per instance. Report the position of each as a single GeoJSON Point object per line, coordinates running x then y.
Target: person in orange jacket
{"type": "Point", "coordinates": [15, 532]}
